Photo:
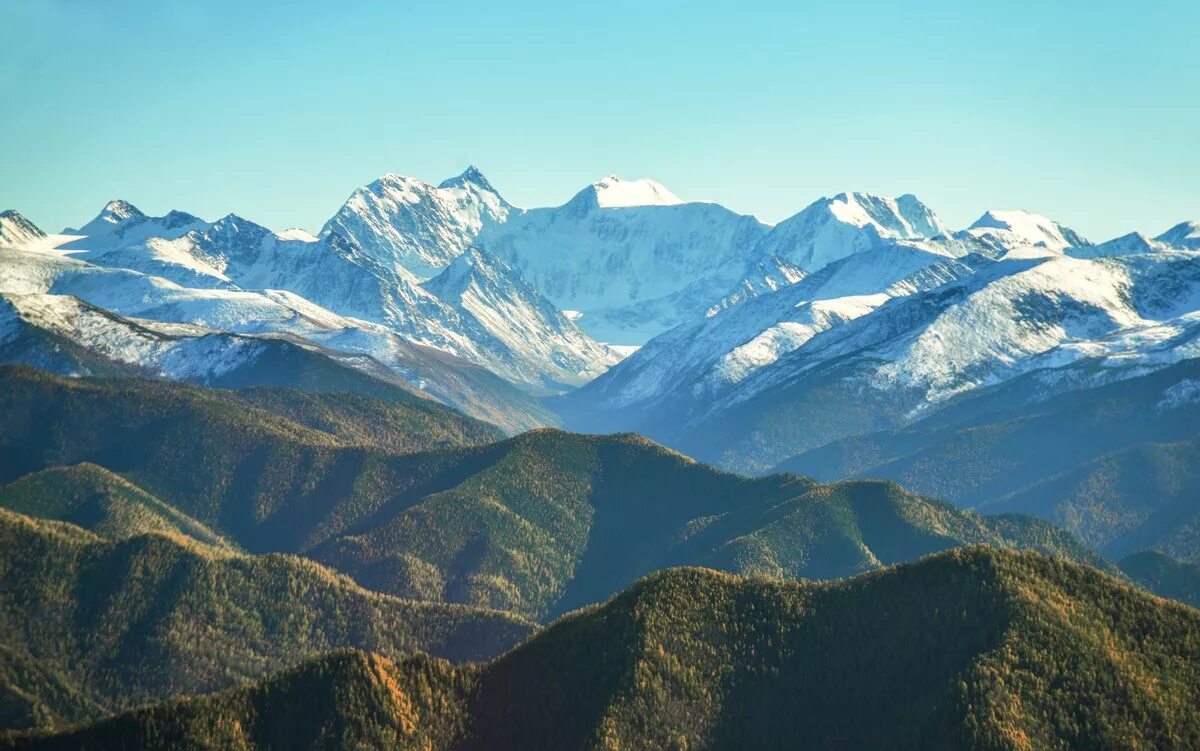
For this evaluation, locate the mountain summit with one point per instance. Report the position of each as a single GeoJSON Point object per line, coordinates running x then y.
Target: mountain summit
{"type": "Point", "coordinates": [16, 230]}
{"type": "Point", "coordinates": [414, 227]}
{"type": "Point", "coordinates": [470, 176]}
{"type": "Point", "coordinates": [830, 229]}
{"type": "Point", "coordinates": [614, 193]}
{"type": "Point", "coordinates": [1022, 228]}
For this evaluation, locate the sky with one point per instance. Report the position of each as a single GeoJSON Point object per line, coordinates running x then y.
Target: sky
{"type": "Point", "coordinates": [1088, 112]}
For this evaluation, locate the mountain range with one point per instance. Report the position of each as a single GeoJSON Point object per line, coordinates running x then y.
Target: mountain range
{"type": "Point", "coordinates": [884, 337]}
{"type": "Point", "coordinates": [536, 525]}
{"type": "Point", "coordinates": [441, 474]}
{"type": "Point", "coordinates": [754, 344]}
{"type": "Point", "coordinates": [220, 536]}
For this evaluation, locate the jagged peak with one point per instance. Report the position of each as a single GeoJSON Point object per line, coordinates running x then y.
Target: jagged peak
{"type": "Point", "coordinates": [905, 216]}
{"type": "Point", "coordinates": [16, 230]}
{"type": "Point", "coordinates": [389, 179]}
{"type": "Point", "coordinates": [471, 175]}
{"type": "Point", "coordinates": [120, 210]}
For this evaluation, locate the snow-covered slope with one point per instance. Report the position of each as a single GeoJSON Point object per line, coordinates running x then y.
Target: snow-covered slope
{"type": "Point", "coordinates": [112, 294]}
{"type": "Point", "coordinates": [16, 231]}
{"type": "Point", "coordinates": [65, 335]}
{"type": "Point", "coordinates": [343, 276]}
{"type": "Point", "coordinates": [628, 256]}
{"type": "Point", "coordinates": [515, 313]}
{"type": "Point", "coordinates": [889, 322]}
{"type": "Point", "coordinates": [830, 229]}
{"type": "Point", "coordinates": [120, 223]}
{"type": "Point", "coordinates": [1184, 236]}
{"type": "Point", "coordinates": [86, 340]}
{"type": "Point", "coordinates": [913, 354]}
{"type": "Point", "coordinates": [1126, 245]}
{"type": "Point", "coordinates": [687, 367]}
{"type": "Point", "coordinates": [412, 226]}
{"type": "Point", "coordinates": [1015, 230]}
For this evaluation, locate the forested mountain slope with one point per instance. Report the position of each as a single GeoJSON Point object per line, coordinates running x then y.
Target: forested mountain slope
{"type": "Point", "coordinates": [969, 649]}
{"type": "Point", "coordinates": [92, 625]}
{"type": "Point", "coordinates": [536, 524]}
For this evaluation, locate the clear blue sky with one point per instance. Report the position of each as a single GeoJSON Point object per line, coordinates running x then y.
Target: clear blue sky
{"type": "Point", "coordinates": [1086, 111]}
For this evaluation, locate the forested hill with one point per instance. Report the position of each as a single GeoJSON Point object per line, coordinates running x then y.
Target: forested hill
{"type": "Point", "coordinates": [93, 625]}
{"type": "Point", "coordinates": [537, 525]}
{"type": "Point", "coordinates": [970, 649]}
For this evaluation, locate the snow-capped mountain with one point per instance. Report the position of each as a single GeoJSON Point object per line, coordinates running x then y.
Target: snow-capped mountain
{"type": "Point", "coordinates": [891, 334]}
{"type": "Point", "coordinates": [830, 229]}
{"type": "Point", "coordinates": [1013, 230]}
{"type": "Point", "coordinates": [885, 364]}
{"type": "Point", "coordinates": [343, 276]}
{"type": "Point", "coordinates": [628, 256]}
{"type": "Point", "coordinates": [224, 337]}
{"type": "Point", "coordinates": [121, 224]}
{"type": "Point", "coordinates": [614, 193]}
{"type": "Point", "coordinates": [858, 313]}
{"type": "Point", "coordinates": [16, 231]}
{"type": "Point", "coordinates": [697, 362]}
{"type": "Point", "coordinates": [412, 226]}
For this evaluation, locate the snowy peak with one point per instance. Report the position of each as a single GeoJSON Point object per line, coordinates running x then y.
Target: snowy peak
{"type": "Point", "coordinates": [1185, 236]}
{"type": "Point", "coordinates": [410, 225]}
{"type": "Point", "coordinates": [232, 236]}
{"type": "Point", "coordinates": [118, 211]}
{"type": "Point", "coordinates": [614, 193]}
{"type": "Point", "coordinates": [296, 234]}
{"type": "Point", "coordinates": [17, 231]}
{"type": "Point", "coordinates": [920, 218]}
{"type": "Point", "coordinates": [470, 176]}
{"type": "Point", "coordinates": [113, 215]}
{"type": "Point", "coordinates": [121, 224]}
{"type": "Point", "coordinates": [1135, 243]}
{"type": "Point", "coordinates": [903, 218]}
{"type": "Point", "coordinates": [833, 228]}
{"type": "Point", "coordinates": [1017, 229]}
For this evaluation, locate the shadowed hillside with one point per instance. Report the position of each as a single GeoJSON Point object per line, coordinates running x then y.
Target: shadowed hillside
{"type": "Point", "coordinates": [975, 648]}
{"type": "Point", "coordinates": [93, 626]}
{"type": "Point", "coordinates": [98, 500]}
{"type": "Point", "coordinates": [1115, 465]}
{"type": "Point", "coordinates": [537, 524]}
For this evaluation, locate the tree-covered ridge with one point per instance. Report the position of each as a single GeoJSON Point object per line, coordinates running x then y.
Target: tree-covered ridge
{"type": "Point", "coordinates": [91, 497]}
{"type": "Point", "coordinates": [537, 524]}
{"type": "Point", "coordinates": [974, 648]}
{"type": "Point", "coordinates": [1164, 575]}
{"type": "Point", "coordinates": [93, 625]}
{"type": "Point", "coordinates": [407, 426]}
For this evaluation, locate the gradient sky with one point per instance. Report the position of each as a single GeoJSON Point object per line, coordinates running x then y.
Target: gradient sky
{"type": "Point", "coordinates": [1088, 112]}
